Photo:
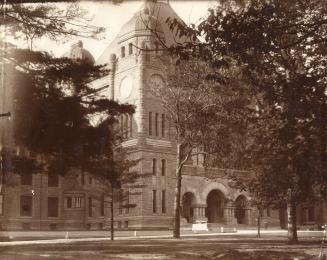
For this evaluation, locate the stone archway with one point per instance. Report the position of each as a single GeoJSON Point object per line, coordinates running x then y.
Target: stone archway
{"type": "Point", "coordinates": [188, 200]}
{"type": "Point", "coordinates": [215, 206]}
{"type": "Point", "coordinates": [241, 204]}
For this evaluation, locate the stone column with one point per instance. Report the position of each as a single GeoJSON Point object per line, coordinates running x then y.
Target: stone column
{"type": "Point", "coordinates": [199, 213]}
{"type": "Point", "coordinates": [248, 219]}
{"type": "Point", "coordinates": [229, 217]}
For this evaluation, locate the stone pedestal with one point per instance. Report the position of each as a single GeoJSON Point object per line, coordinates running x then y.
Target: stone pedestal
{"type": "Point", "coordinates": [199, 219]}
{"type": "Point", "coordinates": [229, 217]}
{"type": "Point", "coordinates": [248, 217]}
{"type": "Point", "coordinates": [199, 214]}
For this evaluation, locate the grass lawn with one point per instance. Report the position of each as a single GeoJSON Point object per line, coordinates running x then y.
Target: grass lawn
{"type": "Point", "coordinates": [192, 248]}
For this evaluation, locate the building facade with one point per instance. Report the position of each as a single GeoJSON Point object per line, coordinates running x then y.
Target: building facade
{"type": "Point", "coordinates": [52, 202]}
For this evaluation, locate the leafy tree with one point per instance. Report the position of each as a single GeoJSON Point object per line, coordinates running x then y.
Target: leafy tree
{"type": "Point", "coordinates": [199, 103]}
{"type": "Point", "coordinates": [279, 47]}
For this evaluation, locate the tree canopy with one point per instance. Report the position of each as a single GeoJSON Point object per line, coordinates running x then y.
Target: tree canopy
{"type": "Point", "coordinates": [279, 48]}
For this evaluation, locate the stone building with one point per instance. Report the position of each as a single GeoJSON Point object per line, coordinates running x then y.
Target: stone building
{"type": "Point", "coordinates": [52, 202]}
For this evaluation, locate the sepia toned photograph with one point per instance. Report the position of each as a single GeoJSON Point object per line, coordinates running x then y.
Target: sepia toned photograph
{"type": "Point", "coordinates": [163, 129]}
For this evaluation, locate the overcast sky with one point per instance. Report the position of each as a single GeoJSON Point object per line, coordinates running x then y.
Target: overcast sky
{"type": "Point", "coordinates": [112, 17]}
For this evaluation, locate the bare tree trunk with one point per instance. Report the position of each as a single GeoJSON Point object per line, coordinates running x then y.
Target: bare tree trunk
{"type": "Point", "coordinates": [176, 233]}
{"type": "Point", "coordinates": [291, 222]}
{"type": "Point", "coordinates": [259, 222]}
{"type": "Point", "coordinates": [112, 215]}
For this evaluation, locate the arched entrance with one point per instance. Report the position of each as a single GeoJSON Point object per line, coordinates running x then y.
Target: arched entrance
{"type": "Point", "coordinates": [188, 200]}
{"type": "Point", "coordinates": [240, 209]}
{"type": "Point", "coordinates": [215, 206]}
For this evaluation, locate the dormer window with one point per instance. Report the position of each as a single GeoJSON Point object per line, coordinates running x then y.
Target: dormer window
{"type": "Point", "coordinates": [130, 48]}
{"type": "Point", "coordinates": [123, 51]}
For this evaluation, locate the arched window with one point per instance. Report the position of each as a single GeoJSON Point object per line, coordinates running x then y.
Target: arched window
{"type": "Point", "coordinates": [163, 167]}
{"type": "Point", "coordinates": [130, 48]}
{"type": "Point", "coordinates": [157, 124]}
{"type": "Point", "coordinates": [163, 124]}
{"type": "Point", "coordinates": [150, 123]}
{"type": "Point", "coordinates": [154, 166]}
{"type": "Point", "coordinates": [123, 51]}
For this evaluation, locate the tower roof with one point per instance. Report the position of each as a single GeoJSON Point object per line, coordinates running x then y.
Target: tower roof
{"type": "Point", "coordinates": [151, 16]}
{"type": "Point", "coordinates": [78, 52]}
{"type": "Point", "coordinates": [141, 23]}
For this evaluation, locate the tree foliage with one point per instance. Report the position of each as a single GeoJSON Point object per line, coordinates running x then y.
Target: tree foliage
{"type": "Point", "coordinates": [46, 20]}
{"type": "Point", "coordinates": [200, 102]}
{"type": "Point", "coordinates": [61, 104]}
{"type": "Point", "coordinates": [280, 48]}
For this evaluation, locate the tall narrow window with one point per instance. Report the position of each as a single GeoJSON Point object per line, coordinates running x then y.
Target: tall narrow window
{"type": "Point", "coordinates": [154, 201]}
{"type": "Point", "coordinates": [126, 126]}
{"type": "Point", "coordinates": [53, 180]}
{"type": "Point", "coordinates": [154, 166]}
{"type": "Point", "coordinates": [311, 214]}
{"type": "Point", "coordinates": [90, 207]}
{"type": "Point", "coordinates": [150, 123]}
{"type": "Point", "coordinates": [120, 203]}
{"type": "Point", "coordinates": [163, 123]}
{"type": "Point", "coordinates": [53, 205]}
{"type": "Point", "coordinates": [268, 212]}
{"type": "Point", "coordinates": [127, 202]}
{"type": "Point", "coordinates": [1, 204]}
{"type": "Point", "coordinates": [163, 167]}
{"type": "Point", "coordinates": [82, 178]}
{"type": "Point", "coordinates": [26, 206]}
{"type": "Point", "coordinates": [26, 178]}
{"type": "Point", "coordinates": [130, 125]}
{"type": "Point", "coordinates": [163, 201]}
{"type": "Point", "coordinates": [123, 51]}
{"type": "Point", "coordinates": [157, 124]}
{"type": "Point", "coordinates": [102, 206]}
{"type": "Point", "coordinates": [147, 54]}
{"type": "Point", "coordinates": [69, 202]}
{"type": "Point", "coordinates": [157, 47]}
{"type": "Point", "coordinates": [122, 126]}
{"type": "Point", "coordinates": [130, 48]}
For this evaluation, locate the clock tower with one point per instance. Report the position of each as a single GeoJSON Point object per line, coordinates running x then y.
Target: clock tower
{"type": "Point", "coordinates": [135, 69]}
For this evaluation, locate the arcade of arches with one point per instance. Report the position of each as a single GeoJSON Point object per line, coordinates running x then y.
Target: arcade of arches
{"type": "Point", "coordinates": [218, 209]}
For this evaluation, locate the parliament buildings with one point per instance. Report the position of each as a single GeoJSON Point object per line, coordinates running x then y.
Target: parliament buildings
{"type": "Point", "coordinates": [54, 203]}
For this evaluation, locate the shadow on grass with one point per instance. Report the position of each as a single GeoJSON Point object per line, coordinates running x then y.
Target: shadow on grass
{"type": "Point", "coordinates": [232, 254]}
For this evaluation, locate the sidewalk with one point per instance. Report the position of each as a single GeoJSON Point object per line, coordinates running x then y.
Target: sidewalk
{"type": "Point", "coordinates": [58, 237]}
{"type": "Point", "coordinates": [83, 236]}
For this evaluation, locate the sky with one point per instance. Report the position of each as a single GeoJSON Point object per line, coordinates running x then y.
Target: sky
{"type": "Point", "coordinates": [113, 17]}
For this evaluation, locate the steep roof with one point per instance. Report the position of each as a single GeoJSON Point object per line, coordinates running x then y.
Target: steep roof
{"type": "Point", "coordinates": [152, 15]}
